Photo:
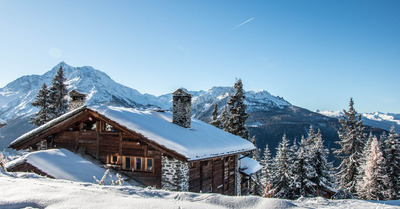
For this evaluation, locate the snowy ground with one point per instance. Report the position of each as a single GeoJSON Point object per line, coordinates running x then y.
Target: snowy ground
{"type": "Point", "coordinates": [19, 190]}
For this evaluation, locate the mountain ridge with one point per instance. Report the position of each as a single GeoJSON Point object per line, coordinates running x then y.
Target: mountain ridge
{"type": "Point", "coordinates": [15, 97]}
{"type": "Point", "coordinates": [375, 119]}
{"type": "Point", "coordinates": [269, 116]}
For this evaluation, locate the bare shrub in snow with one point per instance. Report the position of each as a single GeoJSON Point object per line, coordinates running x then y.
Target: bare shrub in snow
{"type": "Point", "coordinates": [118, 182]}
{"type": "Point", "coordinates": [3, 161]}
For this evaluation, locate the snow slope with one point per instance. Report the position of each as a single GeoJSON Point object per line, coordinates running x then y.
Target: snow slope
{"type": "Point", "coordinates": [31, 191]}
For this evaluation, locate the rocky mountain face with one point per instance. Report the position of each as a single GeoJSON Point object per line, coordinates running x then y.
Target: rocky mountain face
{"type": "Point", "coordinates": [270, 116]}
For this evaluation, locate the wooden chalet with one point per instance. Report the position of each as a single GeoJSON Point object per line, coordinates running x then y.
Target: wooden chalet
{"type": "Point", "coordinates": [154, 148]}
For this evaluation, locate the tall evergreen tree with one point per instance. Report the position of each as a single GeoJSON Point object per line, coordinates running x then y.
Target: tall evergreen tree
{"type": "Point", "coordinates": [266, 163]}
{"type": "Point", "coordinates": [281, 179]}
{"type": "Point", "coordinates": [237, 108]}
{"type": "Point", "coordinates": [224, 119]}
{"type": "Point", "coordinates": [375, 180]}
{"type": "Point", "coordinates": [42, 101]}
{"type": "Point", "coordinates": [319, 155]}
{"type": "Point", "coordinates": [392, 155]}
{"type": "Point", "coordinates": [352, 142]}
{"type": "Point", "coordinates": [214, 117]}
{"type": "Point", "coordinates": [303, 172]}
{"type": "Point", "coordinates": [58, 93]}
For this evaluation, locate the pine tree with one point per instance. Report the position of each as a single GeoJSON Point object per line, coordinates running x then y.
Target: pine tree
{"type": "Point", "coordinates": [237, 108]}
{"type": "Point", "coordinates": [352, 142]}
{"type": "Point", "coordinates": [224, 119]}
{"type": "Point", "coordinates": [375, 180]}
{"type": "Point", "coordinates": [303, 172]}
{"type": "Point", "coordinates": [58, 93]}
{"type": "Point", "coordinates": [324, 179]}
{"type": "Point", "coordinates": [281, 179]}
{"type": "Point", "coordinates": [214, 120]}
{"type": "Point", "coordinates": [266, 163]}
{"type": "Point", "coordinates": [41, 101]}
{"type": "Point", "coordinates": [392, 155]}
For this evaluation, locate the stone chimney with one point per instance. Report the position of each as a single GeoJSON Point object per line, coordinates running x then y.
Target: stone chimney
{"type": "Point", "coordinates": [76, 100]}
{"type": "Point", "coordinates": [182, 108]}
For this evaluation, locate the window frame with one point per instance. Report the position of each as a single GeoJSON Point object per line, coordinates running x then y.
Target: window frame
{"type": "Point", "coordinates": [133, 164]}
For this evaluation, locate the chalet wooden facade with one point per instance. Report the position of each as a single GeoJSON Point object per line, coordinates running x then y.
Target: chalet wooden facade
{"type": "Point", "coordinates": [148, 147]}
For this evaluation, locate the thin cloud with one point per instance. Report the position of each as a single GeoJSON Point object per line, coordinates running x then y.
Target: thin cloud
{"type": "Point", "coordinates": [241, 24]}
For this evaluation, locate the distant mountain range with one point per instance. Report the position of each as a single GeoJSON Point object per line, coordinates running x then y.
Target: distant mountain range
{"type": "Point", "coordinates": [376, 119]}
{"type": "Point", "coordinates": [270, 116]}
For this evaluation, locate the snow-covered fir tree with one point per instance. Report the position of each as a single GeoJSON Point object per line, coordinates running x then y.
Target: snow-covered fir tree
{"type": "Point", "coordinates": [363, 159]}
{"type": "Point", "coordinates": [224, 119]}
{"type": "Point", "coordinates": [237, 109]}
{"type": "Point", "coordinates": [42, 102]}
{"type": "Point", "coordinates": [375, 179]}
{"type": "Point", "coordinates": [214, 117]}
{"type": "Point", "coordinates": [303, 172]}
{"type": "Point", "coordinates": [58, 93]}
{"type": "Point", "coordinates": [352, 142]}
{"type": "Point", "coordinates": [267, 163]}
{"type": "Point", "coordinates": [281, 178]}
{"type": "Point", "coordinates": [392, 155]}
{"type": "Point", "coordinates": [324, 170]}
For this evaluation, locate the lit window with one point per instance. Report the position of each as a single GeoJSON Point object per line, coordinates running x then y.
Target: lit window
{"type": "Point", "coordinates": [149, 164]}
{"type": "Point", "coordinates": [114, 159]}
{"type": "Point", "coordinates": [135, 163]}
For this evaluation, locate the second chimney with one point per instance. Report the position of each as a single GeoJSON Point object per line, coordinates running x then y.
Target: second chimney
{"type": "Point", "coordinates": [76, 100]}
{"type": "Point", "coordinates": [181, 108]}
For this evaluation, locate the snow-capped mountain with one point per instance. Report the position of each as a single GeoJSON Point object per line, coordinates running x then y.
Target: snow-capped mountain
{"type": "Point", "coordinates": [16, 97]}
{"type": "Point", "coordinates": [376, 119]}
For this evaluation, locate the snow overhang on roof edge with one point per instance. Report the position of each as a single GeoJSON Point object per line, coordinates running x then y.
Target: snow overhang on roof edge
{"type": "Point", "coordinates": [45, 126]}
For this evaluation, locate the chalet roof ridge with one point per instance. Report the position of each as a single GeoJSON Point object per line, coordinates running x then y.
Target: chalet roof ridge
{"type": "Point", "coordinates": [202, 141]}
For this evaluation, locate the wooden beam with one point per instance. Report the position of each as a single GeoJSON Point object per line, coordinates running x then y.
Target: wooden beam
{"type": "Point", "coordinates": [97, 140]}
{"type": "Point", "coordinates": [120, 143]}
{"type": "Point", "coordinates": [76, 141]}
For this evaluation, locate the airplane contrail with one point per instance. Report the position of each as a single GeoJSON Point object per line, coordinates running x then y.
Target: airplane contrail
{"type": "Point", "coordinates": [242, 24]}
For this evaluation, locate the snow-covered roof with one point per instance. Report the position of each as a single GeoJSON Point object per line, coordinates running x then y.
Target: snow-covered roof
{"type": "Point", "coordinates": [249, 165]}
{"type": "Point", "coordinates": [62, 164]}
{"type": "Point", "coordinates": [198, 142]}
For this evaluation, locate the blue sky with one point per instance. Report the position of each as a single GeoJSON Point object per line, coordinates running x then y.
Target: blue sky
{"type": "Point", "coordinates": [315, 54]}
